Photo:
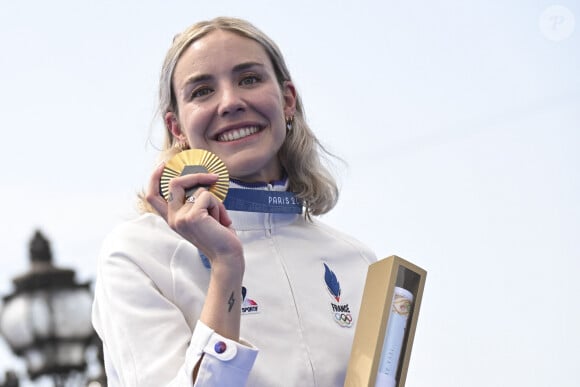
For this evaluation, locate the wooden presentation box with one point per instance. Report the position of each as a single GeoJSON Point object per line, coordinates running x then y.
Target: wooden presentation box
{"type": "Point", "coordinates": [382, 277]}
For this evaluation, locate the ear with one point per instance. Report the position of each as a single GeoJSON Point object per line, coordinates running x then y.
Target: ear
{"type": "Point", "coordinates": [172, 125]}
{"type": "Point", "coordinates": [289, 98]}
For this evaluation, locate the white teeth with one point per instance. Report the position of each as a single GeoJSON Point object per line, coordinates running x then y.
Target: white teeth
{"type": "Point", "coordinates": [238, 133]}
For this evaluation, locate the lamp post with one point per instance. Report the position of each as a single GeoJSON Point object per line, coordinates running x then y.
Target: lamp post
{"type": "Point", "coordinates": [47, 319]}
{"type": "Point", "coordinates": [10, 380]}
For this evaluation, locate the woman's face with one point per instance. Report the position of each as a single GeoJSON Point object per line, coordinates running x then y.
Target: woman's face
{"type": "Point", "coordinates": [230, 103]}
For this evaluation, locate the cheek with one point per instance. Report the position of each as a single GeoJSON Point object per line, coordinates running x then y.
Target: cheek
{"type": "Point", "coordinates": [273, 103]}
{"type": "Point", "coordinates": [193, 121]}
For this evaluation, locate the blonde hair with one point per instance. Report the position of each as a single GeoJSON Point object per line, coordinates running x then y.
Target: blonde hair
{"type": "Point", "coordinates": [301, 153]}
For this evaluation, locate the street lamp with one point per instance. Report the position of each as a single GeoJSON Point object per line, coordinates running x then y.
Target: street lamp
{"type": "Point", "coordinates": [47, 319]}
{"type": "Point", "coordinates": [10, 380]}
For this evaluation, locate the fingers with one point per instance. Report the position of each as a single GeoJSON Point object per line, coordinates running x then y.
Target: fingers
{"type": "Point", "coordinates": [189, 187]}
{"type": "Point", "coordinates": [153, 195]}
{"type": "Point", "coordinates": [179, 188]}
{"type": "Point", "coordinates": [217, 210]}
{"type": "Point", "coordinates": [224, 216]}
{"type": "Point", "coordinates": [176, 196]}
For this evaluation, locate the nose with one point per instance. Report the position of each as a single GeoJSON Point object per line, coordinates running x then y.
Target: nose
{"type": "Point", "coordinates": [230, 101]}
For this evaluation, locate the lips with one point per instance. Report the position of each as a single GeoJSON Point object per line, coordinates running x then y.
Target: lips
{"type": "Point", "coordinates": [238, 133]}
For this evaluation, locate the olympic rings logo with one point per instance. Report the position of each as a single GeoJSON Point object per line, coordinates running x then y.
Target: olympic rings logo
{"type": "Point", "coordinates": [343, 319]}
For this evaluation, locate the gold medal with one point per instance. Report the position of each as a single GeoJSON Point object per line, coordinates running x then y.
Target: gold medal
{"type": "Point", "coordinates": [196, 161]}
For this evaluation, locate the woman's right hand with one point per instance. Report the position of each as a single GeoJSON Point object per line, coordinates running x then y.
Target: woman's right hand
{"type": "Point", "coordinates": [204, 222]}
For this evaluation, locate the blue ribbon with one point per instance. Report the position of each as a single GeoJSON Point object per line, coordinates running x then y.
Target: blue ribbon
{"type": "Point", "coordinates": [250, 200]}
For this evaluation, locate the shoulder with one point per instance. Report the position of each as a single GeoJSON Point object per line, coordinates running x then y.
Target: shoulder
{"type": "Point", "coordinates": [146, 235]}
{"type": "Point", "coordinates": [340, 238]}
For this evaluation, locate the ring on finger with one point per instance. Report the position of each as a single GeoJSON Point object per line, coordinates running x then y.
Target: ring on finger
{"type": "Point", "coordinates": [190, 199]}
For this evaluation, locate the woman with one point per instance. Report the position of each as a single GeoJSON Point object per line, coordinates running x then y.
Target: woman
{"type": "Point", "coordinates": [194, 293]}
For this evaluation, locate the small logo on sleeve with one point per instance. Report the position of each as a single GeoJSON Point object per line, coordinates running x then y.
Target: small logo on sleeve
{"type": "Point", "coordinates": [340, 311]}
{"type": "Point", "coordinates": [249, 306]}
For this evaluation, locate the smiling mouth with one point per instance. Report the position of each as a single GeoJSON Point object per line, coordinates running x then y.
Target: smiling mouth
{"type": "Point", "coordinates": [237, 134]}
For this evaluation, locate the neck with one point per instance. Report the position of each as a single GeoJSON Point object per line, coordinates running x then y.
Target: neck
{"type": "Point", "coordinates": [259, 184]}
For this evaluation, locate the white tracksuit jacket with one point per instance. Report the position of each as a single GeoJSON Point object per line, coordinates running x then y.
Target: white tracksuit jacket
{"type": "Point", "coordinates": [297, 328]}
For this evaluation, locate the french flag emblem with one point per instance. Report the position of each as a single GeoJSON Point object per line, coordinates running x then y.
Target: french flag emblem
{"type": "Point", "coordinates": [332, 283]}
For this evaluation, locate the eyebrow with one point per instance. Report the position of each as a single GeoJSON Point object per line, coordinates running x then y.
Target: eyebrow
{"type": "Point", "coordinates": [206, 77]}
{"type": "Point", "coordinates": [246, 65]}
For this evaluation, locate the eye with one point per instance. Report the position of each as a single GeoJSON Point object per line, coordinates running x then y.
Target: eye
{"type": "Point", "coordinates": [250, 79]}
{"type": "Point", "coordinates": [200, 92]}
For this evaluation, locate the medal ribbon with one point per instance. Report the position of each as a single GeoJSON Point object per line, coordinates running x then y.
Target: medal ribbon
{"type": "Point", "coordinates": [249, 200]}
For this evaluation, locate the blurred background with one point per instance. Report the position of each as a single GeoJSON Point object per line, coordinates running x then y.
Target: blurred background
{"type": "Point", "coordinates": [459, 123]}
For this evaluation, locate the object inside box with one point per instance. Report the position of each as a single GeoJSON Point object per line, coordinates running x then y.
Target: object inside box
{"type": "Point", "coordinates": [397, 332]}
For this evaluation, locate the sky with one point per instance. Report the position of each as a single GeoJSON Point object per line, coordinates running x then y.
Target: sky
{"type": "Point", "coordinates": [459, 123]}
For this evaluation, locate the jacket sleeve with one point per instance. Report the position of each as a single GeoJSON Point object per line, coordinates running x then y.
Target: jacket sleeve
{"type": "Point", "coordinates": [224, 363]}
{"type": "Point", "coordinates": [147, 339]}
